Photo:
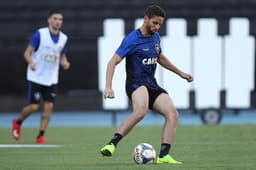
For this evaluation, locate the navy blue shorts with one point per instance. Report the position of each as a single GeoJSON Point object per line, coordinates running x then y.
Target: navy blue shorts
{"type": "Point", "coordinates": [35, 91]}
{"type": "Point", "coordinates": [153, 92]}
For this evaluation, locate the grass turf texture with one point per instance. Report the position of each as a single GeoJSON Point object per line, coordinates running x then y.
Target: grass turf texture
{"type": "Point", "coordinates": [199, 147]}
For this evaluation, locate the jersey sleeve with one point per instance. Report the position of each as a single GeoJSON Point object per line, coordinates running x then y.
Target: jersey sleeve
{"type": "Point", "coordinates": [65, 49]}
{"type": "Point", "coordinates": [126, 47]}
{"type": "Point", "coordinates": [34, 42]}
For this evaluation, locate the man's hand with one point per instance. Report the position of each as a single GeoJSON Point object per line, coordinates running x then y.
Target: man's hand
{"type": "Point", "coordinates": [186, 76]}
{"type": "Point", "coordinates": [109, 93]}
{"type": "Point", "coordinates": [65, 65]}
{"type": "Point", "coordinates": [32, 66]}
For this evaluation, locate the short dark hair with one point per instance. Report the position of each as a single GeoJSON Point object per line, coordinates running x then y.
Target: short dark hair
{"type": "Point", "coordinates": [154, 10]}
{"type": "Point", "coordinates": [54, 11]}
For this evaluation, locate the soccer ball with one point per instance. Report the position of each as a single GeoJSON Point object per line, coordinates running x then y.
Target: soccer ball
{"type": "Point", "coordinates": [144, 153]}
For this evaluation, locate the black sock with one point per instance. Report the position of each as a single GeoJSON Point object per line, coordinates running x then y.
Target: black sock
{"type": "Point", "coordinates": [165, 148]}
{"type": "Point", "coordinates": [41, 133]}
{"type": "Point", "coordinates": [116, 138]}
{"type": "Point", "coordinates": [19, 122]}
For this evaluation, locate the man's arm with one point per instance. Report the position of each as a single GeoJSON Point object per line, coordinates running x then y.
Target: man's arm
{"type": "Point", "coordinates": [163, 61]}
{"type": "Point", "coordinates": [108, 92]}
{"type": "Point", "coordinates": [28, 57]}
{"type": "Point", "coordinates": [64, 62]}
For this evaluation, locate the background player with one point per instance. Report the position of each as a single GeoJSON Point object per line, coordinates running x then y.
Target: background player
{"type": "Point", "coordinates": [45, 52]}
{"type": "Point", "coordinates": [142, 51]}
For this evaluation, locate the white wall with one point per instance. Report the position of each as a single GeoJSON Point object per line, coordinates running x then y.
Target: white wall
{"type": "Point", "coordinates": [177, 47]}
{"type": "Point", "coordinates": [207, 75]}
{"type": "Point", "coordinates": [239, 62]}
{"type": "Point", "coordinates": [107, 45]}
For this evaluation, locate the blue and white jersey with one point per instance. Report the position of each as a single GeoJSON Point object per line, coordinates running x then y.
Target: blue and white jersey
{"type": "Point", "coordinates": [141, 54]}
{"type": "Point", "coordinates": [48, 49]}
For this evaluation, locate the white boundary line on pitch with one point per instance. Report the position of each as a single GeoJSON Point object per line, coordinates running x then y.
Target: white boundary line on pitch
{"type": "Point", "coordinates": [28, 146]}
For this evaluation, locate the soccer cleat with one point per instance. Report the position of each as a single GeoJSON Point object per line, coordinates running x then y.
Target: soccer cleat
{"type": "Point", "coordinates": [167, 159]}
{"type": "Point", "coordinates": [16, 130]}
{"type": "Point", "coordinates": [41, 140]}
{"type": "Point", "coordinates": [108, 150]}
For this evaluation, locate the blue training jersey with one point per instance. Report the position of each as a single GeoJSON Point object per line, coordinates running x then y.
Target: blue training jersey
{"type": "Point", "coordinates": [141, 54]}
{"type": "Point", "coordinates": [34, 42]}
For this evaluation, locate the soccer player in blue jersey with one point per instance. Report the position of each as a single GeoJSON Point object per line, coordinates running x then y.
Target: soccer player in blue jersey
{"type": "Point", "coordinates": [44, 54]}
{"type": "Point", "coordinates": [142, 51]}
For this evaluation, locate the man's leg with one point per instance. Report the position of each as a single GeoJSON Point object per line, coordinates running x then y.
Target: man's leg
{"type": "Point", "coordinates": [165, 106]}
{"type": "Point", "coordinates": [140, 107]}
{"type": "Point", "coordinates": [26, 111]}
{"type": "Point", "coordinates": [16, 124]}
{"type": "Point", "coordinates": [46, 115]}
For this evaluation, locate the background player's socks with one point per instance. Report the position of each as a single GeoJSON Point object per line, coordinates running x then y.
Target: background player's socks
{"type": "Point", "coordinates": [41, 133]}
{"type": "Point", "coordinates": [19, 122]}
{"type": "Point", "coordinates": [165, 148]}
{"type": "Point", "coordinates": [116, 138]}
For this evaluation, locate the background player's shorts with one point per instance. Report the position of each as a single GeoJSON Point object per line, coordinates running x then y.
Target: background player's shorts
{"type": "Point", "coordinates": [35, 91]}
{"type": "Point", "coordinates": [153, 92]}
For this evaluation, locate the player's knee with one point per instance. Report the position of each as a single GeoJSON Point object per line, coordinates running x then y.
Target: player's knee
{"type": "Point", "coordinates": [176, 115]}
{"type": "Point", "coordinates": [173, 115]}
{"type": "Point", "coordinates": [140, 116]}
{"type": "Point", "coordinates": [140, 113]}
{"type": "Point", "coordinates": [34, 107]}
{"type": "Point", "coordinates": [48, 106]}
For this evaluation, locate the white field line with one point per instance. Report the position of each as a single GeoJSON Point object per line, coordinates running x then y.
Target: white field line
{"type": "Point", "coordinates": [28, 146]}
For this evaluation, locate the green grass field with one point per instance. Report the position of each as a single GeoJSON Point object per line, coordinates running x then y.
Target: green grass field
{"type": "Point", "coordinates": [200, 147]}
